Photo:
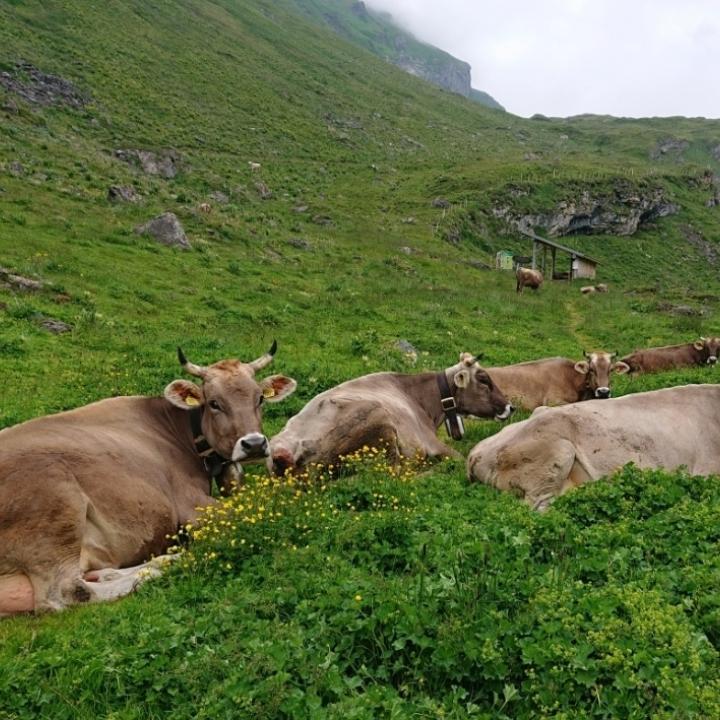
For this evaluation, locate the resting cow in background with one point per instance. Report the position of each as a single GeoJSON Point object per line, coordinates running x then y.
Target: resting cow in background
{"type": "Point", "coordinates": [590, 289]}
{"type": "Point", "coordinates": [701, 352]}
{"type": "Point", "coordinates": [557, 381]}
{"type": "Point", "coordinates": [558, 449]}
{"type": "Point", "coordinates": [105, 485]}
{"type": "Point", "coordinates": [528, 278]}
{"type": "Point", "coordinates": [401, 412]}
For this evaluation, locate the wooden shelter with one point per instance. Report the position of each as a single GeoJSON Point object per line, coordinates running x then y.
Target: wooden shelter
{"type": "Point", "coordinates": [581, 266]}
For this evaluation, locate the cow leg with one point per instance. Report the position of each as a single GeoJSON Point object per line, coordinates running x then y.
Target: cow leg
{"type": "Point", "coordinates": [112, 583]}
{"type": "Point", "coordinates": [16, 595]}
{"type": "Point", "coordinates": [536, 470]}
{"type": "Point", "coordinates": [57, 588]}
{"type": "Point", "coordinates": [435, 448]}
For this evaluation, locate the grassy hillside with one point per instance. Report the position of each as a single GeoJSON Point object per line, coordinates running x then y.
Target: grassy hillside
{"type": "Point", "coordinates": [470, 605]}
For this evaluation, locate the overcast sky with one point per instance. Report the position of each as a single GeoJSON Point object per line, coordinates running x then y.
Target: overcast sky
{"type": "Point", "coordinates": [635, 58]}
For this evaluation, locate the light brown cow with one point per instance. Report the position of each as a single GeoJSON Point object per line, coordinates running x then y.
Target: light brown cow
{"type": "Point", "coordinates": [103, 486]}
{"type": "Point", "coordinates": [556, 381]}
{"type": "Point", "coordinates": [590, 289]}
{"type": "Point", "coordinates": [557, 449]}
{"type": "Point", "coordinates": [402, 412]}
{"type": "Point", "coordinates": [701, 352]}
{"type": "Point", "coordinates": [528, 278]}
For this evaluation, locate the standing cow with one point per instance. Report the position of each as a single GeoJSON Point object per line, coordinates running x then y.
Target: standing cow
{"type": "Point", "coordinates": [105, 485]}
{"type": "Point", "coordinates": [701, 352]}
{"type": "Point", "coordinates": [560, 448]}
{"type": "Point", "coordinates": [403, 412]}
{"type": "Point", "coordinates": [528, 278]}
{"type": "Point", "coordinates": [557, 381]}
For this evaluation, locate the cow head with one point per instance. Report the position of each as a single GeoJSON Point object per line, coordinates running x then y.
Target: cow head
{"type": "Point", "coordinates": [710, 348]}
{"type": "Point", "coordinates": [597, 368]}
{"type": "Point", "coordinates": [476, 393]}
{"type": "Point", "coordinates": [231, 400]}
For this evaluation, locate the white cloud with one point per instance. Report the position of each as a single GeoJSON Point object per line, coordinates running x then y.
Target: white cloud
{"type": "Point", "coordinates": [565, 57]}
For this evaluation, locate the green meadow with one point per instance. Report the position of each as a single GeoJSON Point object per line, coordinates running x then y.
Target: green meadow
{"type": "Point", "coordinates": [383, 594]}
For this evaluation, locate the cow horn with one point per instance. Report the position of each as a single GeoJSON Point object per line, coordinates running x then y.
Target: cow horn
{"type": "Point", "coordinates": [189, 367]}
{"type": "Point", "coordinates": [264, 360]}
{"type": "Point", "coordinates": [479, 356]}
{"type": "Point", "coordinates": [586, 354]}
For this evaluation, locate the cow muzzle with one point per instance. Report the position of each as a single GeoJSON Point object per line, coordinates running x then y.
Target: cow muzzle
{"type": "Point", "coordinates": [506, 413]}
{"type": "Point", "coordinates": [602, 393]}
{"type": "Point", "coordinates": [712, 360]}
{"type": "Point", "coordinates": [281, 461]}
{"type": "Point", "coordinates": [253, 446]}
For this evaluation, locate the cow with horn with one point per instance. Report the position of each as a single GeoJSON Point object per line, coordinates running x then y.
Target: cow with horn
{"type": "Point", "coordinates": [88, 495]}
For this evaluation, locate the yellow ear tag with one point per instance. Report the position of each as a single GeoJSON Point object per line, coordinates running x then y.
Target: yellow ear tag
{"type": "Point", "coordinates": [269, 392]}
{"type": "Point", "coordinates": [190, 400]}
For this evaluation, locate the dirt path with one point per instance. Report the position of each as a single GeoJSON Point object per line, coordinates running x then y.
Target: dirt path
{"type": "Point", "coordinates": [575, 322]}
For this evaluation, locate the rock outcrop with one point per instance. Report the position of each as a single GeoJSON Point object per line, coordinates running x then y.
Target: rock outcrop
{"type": "Point", "coordinates": [18, 282]}
{"type": "Point", "coordinates": [40, 88]}
{"type": "Point", "coordinates": [167, 230]}
{"type": "Point", "coordinates": [122, 193]}
{"type": "Point", "coordinates": [453, 74]}
{"type": "Point", "coordinates": [621, 212]}
{"type": "Point", "coordinates": [165, 163]}
{"type": "Point", "coordinates": [670, 148]}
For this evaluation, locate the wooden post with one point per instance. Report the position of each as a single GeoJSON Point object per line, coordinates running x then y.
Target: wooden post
{"type": "Point", "coordinates": [534, 260]}
{"type": "Point", "coordinates": [552, 277]}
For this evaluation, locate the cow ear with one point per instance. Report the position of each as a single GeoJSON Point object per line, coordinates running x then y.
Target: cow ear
{"type": "Point", "coordinates": [698, 344]}
{"type": "Point", "coordinates": [277, 387]}
{"type": "Point", "coordinates": [184, 394]}
{"type": "Point", "coordinates": [621, 368]}
{"type": "Point", "coordinates": [462, 378]}
{"type": "Point", "coordinates": [582, 367]}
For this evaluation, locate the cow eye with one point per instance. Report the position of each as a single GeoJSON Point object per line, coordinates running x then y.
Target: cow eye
{"type": "Point", "coordinates": [214, 405]}
{"type": "Point", "coordinates": [260, 401]}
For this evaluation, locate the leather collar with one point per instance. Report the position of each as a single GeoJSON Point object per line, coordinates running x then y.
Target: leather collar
{"type": "Point", "coordinates": [453, 421]}
{"type": "Point", "coordinates": [213, 461]}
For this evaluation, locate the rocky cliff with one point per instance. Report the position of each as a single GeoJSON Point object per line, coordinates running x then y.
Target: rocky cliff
{"type": "Point", "coordinates": [620, 211]}
{"type": "Point", "coordinates": [378, 33]}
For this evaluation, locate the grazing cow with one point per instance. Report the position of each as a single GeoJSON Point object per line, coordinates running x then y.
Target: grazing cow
{"type": "Point", "coordinates": [402, 412]}
{"type": "Point", "coordinates": [528, 278]}
{"type": "Point", "coordinates": [254, 166]}
{"type": "Point", "coordinates": [701, 352]}
{"type": "Point", "coordinates": [556, 381]}
{"type": "Point", "coordinates": [205, 207]}
{"type": "Point", "coordinates": [557, 449]}
{"type": "Point", "coordinates": [102, 487]}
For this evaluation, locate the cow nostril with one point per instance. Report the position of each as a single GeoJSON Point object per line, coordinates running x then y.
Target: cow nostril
{"type": "Point", "coordinates": [281, 464]}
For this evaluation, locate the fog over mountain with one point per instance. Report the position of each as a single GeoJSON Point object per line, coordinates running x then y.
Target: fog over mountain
{"type": "Point", "coordinates": [568, 57]}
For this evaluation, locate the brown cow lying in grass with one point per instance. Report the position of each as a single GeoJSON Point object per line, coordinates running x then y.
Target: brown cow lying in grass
{"type": "Point", "coordinates": [401, 412]}
{"type": "Point", "coordinates": [669, 357]}
{"type": "Point", "coordinates": [560, 448]}
{"type": "Point", "coordinates": [556, 381]}
{"type": "Point", "coordinates": [102, 487]}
